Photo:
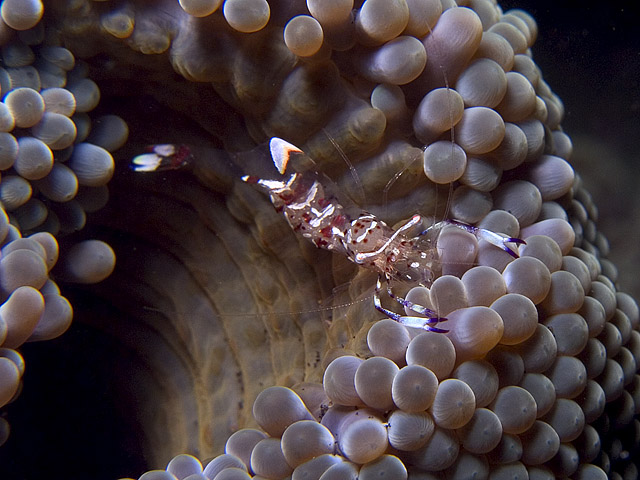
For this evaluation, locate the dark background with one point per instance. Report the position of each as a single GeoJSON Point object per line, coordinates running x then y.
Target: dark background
{"type": "Point", "coordinates": [589, 53]}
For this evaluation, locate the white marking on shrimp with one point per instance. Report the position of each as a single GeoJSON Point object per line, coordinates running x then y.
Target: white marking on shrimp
{"type": "Point", "coordinates": [364, 239]}
{"type": "Point", "coordinates": [311, 205]}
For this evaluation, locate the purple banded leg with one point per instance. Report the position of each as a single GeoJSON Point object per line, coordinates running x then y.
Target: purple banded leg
{"type": "Point", "coordinates": [427, 312]}
{"type": "Point", "coordinates": [497, 239]}
{"type": "Point", "coordinates": [415, 322]}
{"type": "Point", "coordinates": [161, 157]}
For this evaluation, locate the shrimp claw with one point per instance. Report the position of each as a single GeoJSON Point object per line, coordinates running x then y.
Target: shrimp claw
{"type": "Point", "coordinates": [496, 239]}
{"type": "Point", "coordinates": [499, 240]}
{"type": "Point", "coordinates": [420, 322]}
{"type": "Point", "coordinates": [431, 318]}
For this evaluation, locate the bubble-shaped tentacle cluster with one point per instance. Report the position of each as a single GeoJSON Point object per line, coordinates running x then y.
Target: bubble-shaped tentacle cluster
{"type": "Point", "coordinates": [537, 375]}
{"type": "Point", "coordinates": [55, 165]}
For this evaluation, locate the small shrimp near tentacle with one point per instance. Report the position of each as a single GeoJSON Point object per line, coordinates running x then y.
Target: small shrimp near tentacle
{"type": "Point", "coordinates": [338, 225]}
{"type": "Point", "coordinates": [312, 206]}
{"type": "Point", "coordinates": [165, 156]}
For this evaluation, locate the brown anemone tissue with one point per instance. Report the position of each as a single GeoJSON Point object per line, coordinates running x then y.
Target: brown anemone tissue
{"type": "Point", "coordinates": [243, 351]}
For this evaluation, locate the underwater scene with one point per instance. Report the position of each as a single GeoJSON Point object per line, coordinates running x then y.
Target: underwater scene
{"type": "Point", "coordinates": [321, 239]}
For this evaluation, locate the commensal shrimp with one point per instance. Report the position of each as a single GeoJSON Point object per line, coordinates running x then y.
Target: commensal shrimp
{"type": "Point", "coordinates": [310, 202]}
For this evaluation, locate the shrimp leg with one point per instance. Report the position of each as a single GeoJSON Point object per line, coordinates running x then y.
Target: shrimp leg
{"type": "Point", "coordinates": [407, 321]}
{"type": "Point", "coordinates": [496, 239]}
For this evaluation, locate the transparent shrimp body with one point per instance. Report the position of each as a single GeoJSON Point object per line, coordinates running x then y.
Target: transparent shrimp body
{"type": "Point", "coordinates": [310, 209]}
{"type": "Point", "coordinates": [311, 205]}
{"type": "Point", "coordinates": [399, 261]}
{"type": "Point", "coordinates": [374, 245]}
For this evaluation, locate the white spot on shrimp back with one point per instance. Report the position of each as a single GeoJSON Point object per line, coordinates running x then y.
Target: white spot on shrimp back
{"type": "Point", "coordinates": [366, 234]}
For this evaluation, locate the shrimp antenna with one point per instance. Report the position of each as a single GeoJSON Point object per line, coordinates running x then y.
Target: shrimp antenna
{"type": "Point", "coordinates": [453, 137]}
{"type": "Point", "coordinates": [391, 182]}
{"type": "Point", "coordinates": [352, 168]}
{"type": "Point", "coordinates": [445, 77]}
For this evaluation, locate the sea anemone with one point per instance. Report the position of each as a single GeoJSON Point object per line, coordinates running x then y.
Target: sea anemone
{"type": "Point", "coordinates": [219, 319]}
